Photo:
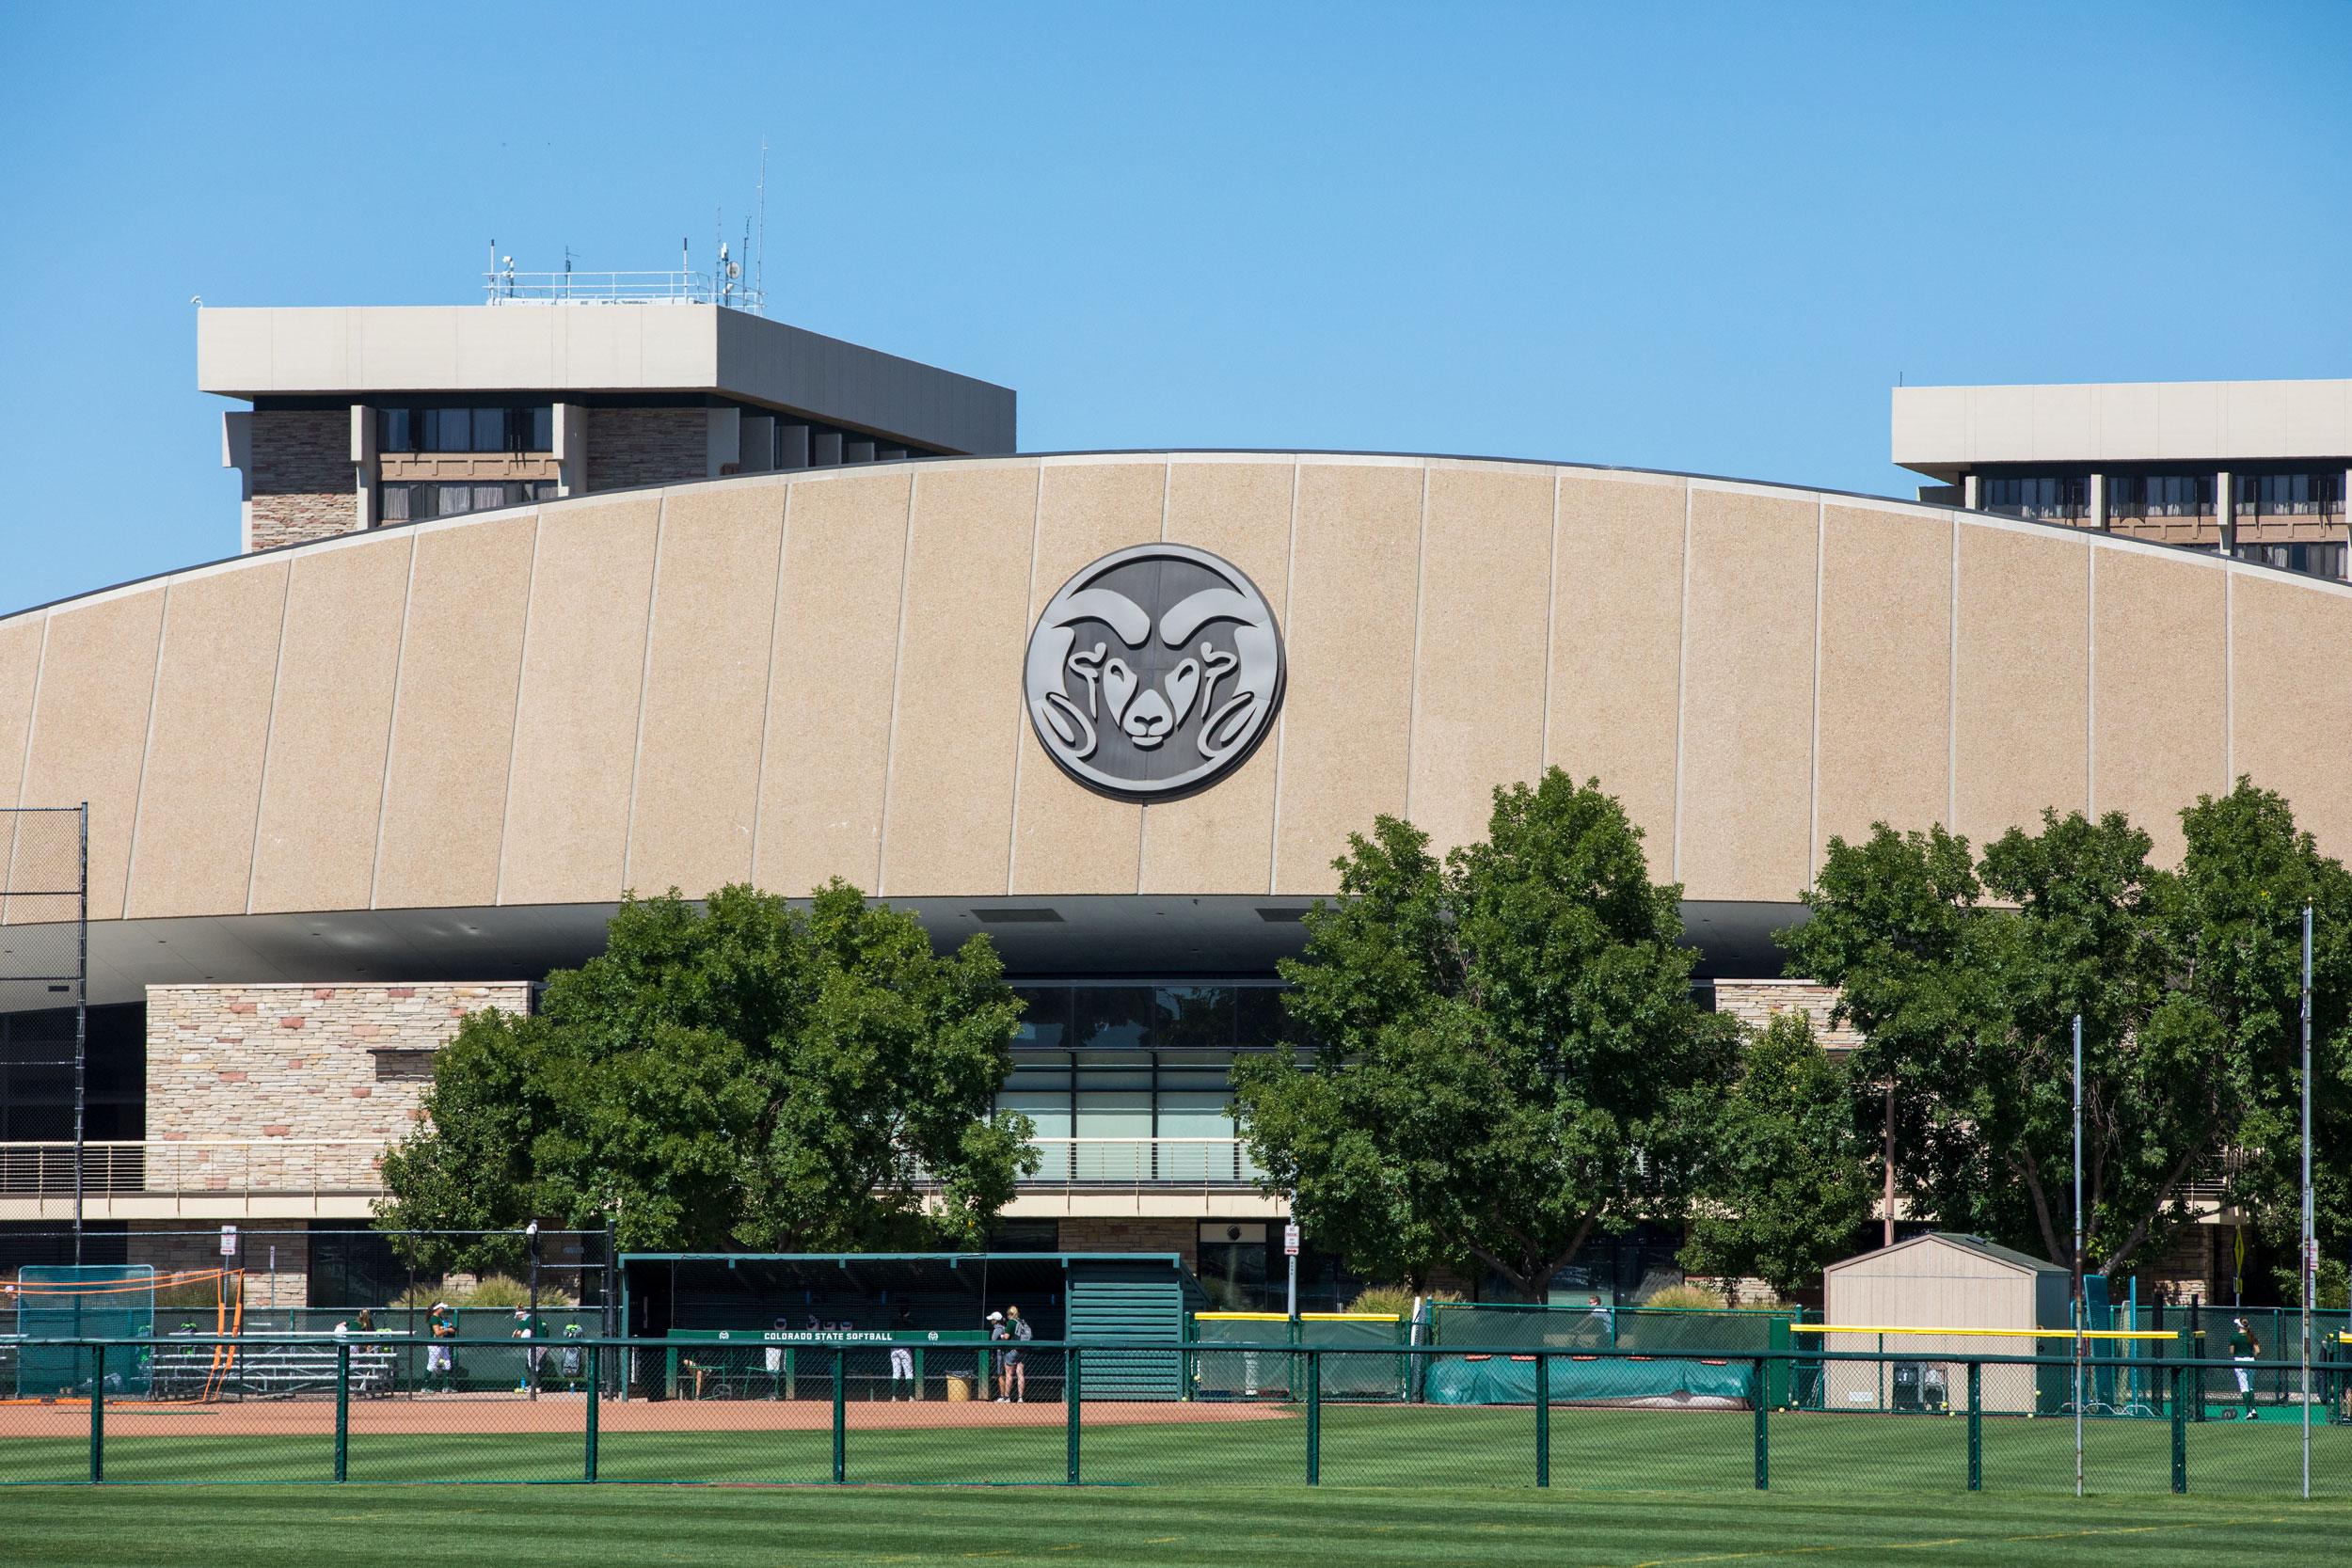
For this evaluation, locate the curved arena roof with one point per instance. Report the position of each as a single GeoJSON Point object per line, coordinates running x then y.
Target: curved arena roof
{"type": "Point", "coordinates": [448, 746]}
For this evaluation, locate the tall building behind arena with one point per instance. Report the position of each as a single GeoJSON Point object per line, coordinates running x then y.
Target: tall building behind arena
{"type": "Point", "coordinates": [579, 592]}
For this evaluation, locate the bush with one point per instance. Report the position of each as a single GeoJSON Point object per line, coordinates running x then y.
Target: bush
{"type": "Point", "coordinates": [1395, 1300]}
{"type": "Point", "coordinates": [1685, 1296]}
{"type": "Point", "coordinates": [497, 1289]}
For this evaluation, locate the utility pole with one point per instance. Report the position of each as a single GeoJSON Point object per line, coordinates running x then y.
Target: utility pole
{"type": "Point", "coordinates": [2307, 1252]}
{"type": "Point", "coordinates": [81, 1030]}
{"type": "Point", "coordinates": [1887, 1236]}
{"type": "Point", "coordinates": [2079, 1303]}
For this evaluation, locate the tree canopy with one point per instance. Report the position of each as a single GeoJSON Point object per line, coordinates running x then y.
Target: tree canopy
{"type": "Point", "coordinates": [1964, 973]}
{"type": "Point", "coordinates": [1503, 1051]}
{"type": "Point", "coordinates": [741, 1074]}
{"type": "Point", "coordinates": [1787, 1175]}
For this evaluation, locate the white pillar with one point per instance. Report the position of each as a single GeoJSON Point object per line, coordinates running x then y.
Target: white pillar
{"type": "Point", "coordinates": [236, 452]}
{"type": "Point", "coordinates": [2099, 501]}
{"type": "Point", "coordinates": [723, 442]}
{"type": "Point", "coordinates": [1968, 491]}
{"type": "Point", "coordinates": [570, 437]}
{"type": "Point", "coordinates": [2223, 514]}
{"type": "Point", "coordinates": [363, 455]}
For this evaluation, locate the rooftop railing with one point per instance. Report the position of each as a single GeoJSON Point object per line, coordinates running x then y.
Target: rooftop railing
{"type": "Point", "coordinates": [508, 287]}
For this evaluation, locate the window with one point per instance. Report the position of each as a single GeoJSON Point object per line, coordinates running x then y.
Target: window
{"type": "Point", "coordinates": [2035, 496]}
{"type": "Point", "coordinates": [409, 503]}
{"type": "Point", "coordinates": [516, 430]}
{"type": "Point", "coordinates": [2288, 495]}
{"type": "Point", "coordinates": [2176, 496]}
{"type": "Point", "coordinates": [2318, 559]}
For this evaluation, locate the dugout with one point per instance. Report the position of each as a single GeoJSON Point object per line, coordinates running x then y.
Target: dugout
{"type": "Point", "coordinates": [1086, 1298]}
{"type": "Point", "coordinates": [1942, 1280]}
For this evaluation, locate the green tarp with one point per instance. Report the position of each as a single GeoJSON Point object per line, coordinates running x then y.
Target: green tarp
{"type": "Point", "coordinates": [1511, 1379]}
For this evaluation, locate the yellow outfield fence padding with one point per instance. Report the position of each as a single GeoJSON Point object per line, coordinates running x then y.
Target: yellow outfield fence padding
{"type": "Point", "coordinates": [1303, 1316]}
{"type": "Point", "coordinates": [1994, 1333]}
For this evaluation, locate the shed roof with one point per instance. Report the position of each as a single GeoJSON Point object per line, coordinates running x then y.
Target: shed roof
{"type": "Point", "coordinates": [2023, 1262]}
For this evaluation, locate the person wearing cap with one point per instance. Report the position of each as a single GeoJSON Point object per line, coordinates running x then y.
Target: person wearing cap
{"type": "Point", "coordinates": [529, 1328]}
{"type": "Point", "coordinates": [1016, 1363]}
{"type": "Point", "coordinates": [999, 1334]}
{"type": "Point", "coordinates": [2244, 1348]}
{"type": "Point", "coordinates": [440, 1359]}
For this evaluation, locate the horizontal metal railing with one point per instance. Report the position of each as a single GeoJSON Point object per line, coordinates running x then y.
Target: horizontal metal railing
{"type": "Point", "coordinates": [906, 1407]}
{"type": "Point", "coordinates": [1143, 1161]}
{"type": "Point", "coordinates": [199, 1166]}
{"type": "Point", "coordinates": [317, 1166]}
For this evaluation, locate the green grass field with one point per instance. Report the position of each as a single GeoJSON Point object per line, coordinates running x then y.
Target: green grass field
{"type": "Point", "coordinates": [1459, 1448]}
{"type": "Point", "coordinates": [380, 1527]}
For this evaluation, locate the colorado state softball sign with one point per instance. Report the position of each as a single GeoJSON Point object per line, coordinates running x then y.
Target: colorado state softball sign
{"type": "Point", "coordinates": [1155, 672]}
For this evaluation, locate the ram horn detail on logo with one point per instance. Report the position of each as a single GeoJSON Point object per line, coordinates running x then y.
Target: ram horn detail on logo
{"type": "Point", "coordinates": [1153, 672]}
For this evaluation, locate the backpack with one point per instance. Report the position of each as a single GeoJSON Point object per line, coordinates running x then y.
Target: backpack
{"type": "Point", "coordinates": [1021, 1330]}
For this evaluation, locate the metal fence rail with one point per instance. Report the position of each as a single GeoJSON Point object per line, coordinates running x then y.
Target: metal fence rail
{"type": "Point", "coordinates": [883, 1408]}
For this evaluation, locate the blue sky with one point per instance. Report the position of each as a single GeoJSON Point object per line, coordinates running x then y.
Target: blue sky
{"type": "Point", "coordinates": [1699, 237]}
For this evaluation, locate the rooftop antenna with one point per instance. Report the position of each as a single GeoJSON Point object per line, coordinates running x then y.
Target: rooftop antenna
{"type": "Point", "coordinates": [759, 258]}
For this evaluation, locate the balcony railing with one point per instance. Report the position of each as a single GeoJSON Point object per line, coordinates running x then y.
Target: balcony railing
{"type": "Point", "coordinates": [1143, 1161]}
{"type": "Point", "coordinates": [325, 1167]}
{"type": "Point", "coordinates": [194, 1166]}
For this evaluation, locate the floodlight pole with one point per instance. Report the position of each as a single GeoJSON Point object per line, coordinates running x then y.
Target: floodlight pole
{"type": "Point", "coordinates": [2079, 1303]}
{"type": "Point", "coordinates": [81, 1029]}
{"type": "Point", "coordinates": [2306, 1250]}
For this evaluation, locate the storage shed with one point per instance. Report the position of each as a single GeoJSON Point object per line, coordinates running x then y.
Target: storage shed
{"type": "Point", "coordinates": [1940, 1280]}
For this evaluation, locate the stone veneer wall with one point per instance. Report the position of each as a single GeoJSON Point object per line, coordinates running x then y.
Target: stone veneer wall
{"type": "Point", "coordinates": [298, 1063]}
{"type": "Point", "coordinates": [303, 484]}
{"type": "Point", "coordinates": [1754, 1001]}
{"type": "Point", "coordinates": [646, 446]}
{"type": "Point", "coordinates": [191, 1246]}
{"type": "Point", "coordinates": [1137, 1235]}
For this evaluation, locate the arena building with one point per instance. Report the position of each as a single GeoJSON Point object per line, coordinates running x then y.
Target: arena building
{"type": "Point", "coordinates": [1119, 710]}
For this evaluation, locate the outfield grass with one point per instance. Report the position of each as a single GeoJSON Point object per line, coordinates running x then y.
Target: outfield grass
{"type": "Point", "coordinates": [379, 1526]}
{"type": "Point", "coordinates": [1443, 1447]}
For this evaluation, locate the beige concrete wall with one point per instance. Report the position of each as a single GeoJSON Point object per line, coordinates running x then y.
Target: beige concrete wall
{"type": "Point", "coordinates": [714, 639]}
{"type": "Point", "coordinates": [796, 677]}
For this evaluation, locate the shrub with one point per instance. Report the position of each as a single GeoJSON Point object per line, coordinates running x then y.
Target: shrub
{"type": "Point", "coordinates": [1395, 1300]}
{"type": "Point", "coordinates": [497, 1289]}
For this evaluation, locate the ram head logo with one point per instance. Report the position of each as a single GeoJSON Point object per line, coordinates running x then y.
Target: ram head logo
{"type": "Point", "coordinates": [1153, 670]}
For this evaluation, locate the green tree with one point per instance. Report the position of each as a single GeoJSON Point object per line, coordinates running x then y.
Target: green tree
{"type": "Point", "coordinates": [1964, 976]}
{"type": "Point", "coordinates": [2245, 878]}
{"type": "Point", "coordinates": [1505, 1053]}
{"type": "Point", "coordinates": [1787, 1176]}
{"type": "Point", "coordinates": [740, 1074]}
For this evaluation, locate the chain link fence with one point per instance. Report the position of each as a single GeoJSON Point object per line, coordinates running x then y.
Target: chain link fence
{"type": "Point", "coordinates": [937, 1409]}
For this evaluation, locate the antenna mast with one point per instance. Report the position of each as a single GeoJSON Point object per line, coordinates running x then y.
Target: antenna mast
{"type": "Point", "coordinates": [760, 261]}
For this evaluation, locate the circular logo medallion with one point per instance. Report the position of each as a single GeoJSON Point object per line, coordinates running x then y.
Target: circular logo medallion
{"type": "Point", "coordinates": [1154, 672]}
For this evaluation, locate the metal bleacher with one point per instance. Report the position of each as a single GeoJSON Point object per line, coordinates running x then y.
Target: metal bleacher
{"type": "Point", "coordinates": [284, 1368]}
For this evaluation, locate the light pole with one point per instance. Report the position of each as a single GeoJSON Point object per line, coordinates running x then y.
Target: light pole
{"type": "Point", "coordinates": [2078, 1255]}
{"type": "Point", "coordinates": [2307, 1252]}
{"type": "Point", "coordinates": [530, 1360]}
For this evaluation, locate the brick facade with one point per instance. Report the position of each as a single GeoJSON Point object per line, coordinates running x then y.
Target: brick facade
{"type": "Point", "coordinates": [646, 446]}
{"type": "Point", "coordinates": [1754, 1001]}
{"type": "Point", "coordinates": [303, 481]}
{"type": "Point", "coordinates": [299, 1063]}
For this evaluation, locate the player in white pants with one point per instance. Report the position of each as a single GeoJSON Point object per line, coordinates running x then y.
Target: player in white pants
{"type": "Point", "coordinates": [902, 1371]}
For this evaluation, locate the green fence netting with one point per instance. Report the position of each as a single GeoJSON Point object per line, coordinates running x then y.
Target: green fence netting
{"type": "Point", "coordinates": [1262, 1373]}
{"type": "Point", "coordinates": [1699, 1354]}
{"type": "Point", "coordinates": [92, 1301]}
